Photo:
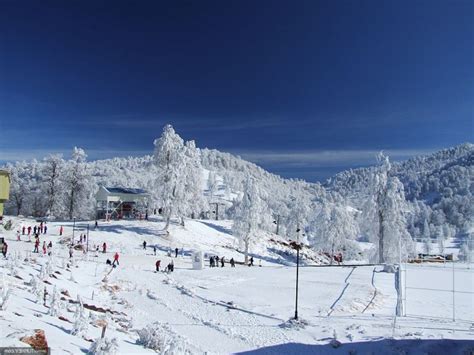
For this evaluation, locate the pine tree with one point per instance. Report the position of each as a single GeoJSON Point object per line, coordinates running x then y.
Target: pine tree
{"type": "Point", "coordinates": [195, 202]}
{"type": "Point", "coordinates": [248, 217]}
{"type": "Point", "coordinates": [384, 214]}
{"type": "Point", "coordinates": [169, 186]}
{"type": "Point", "coordinates": [334, 229]}
{"type": "Point", "coordinates": [53, 184]}
{"type": "Point", "coordinates": [78, 196]}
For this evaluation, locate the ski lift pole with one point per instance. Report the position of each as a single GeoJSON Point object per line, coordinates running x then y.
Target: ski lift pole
{"type": "Point", "coordinates": [87, 247]}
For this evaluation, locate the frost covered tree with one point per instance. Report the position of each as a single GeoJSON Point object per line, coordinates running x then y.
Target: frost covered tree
{"type": "Point", "coordinates": [299, 209]}
{"type": "Point", "coordinates": [426, 239]}
{"type": "Point", "coordinates": [334, 229]}
{"type": "Point", "coordinates": [81, 323]}
{"type": "Point", "coordinates": [104, 346]}
{"type": "Point", "coordinates": [384, 214]}
{"type": "Point", "coordinates": [170, 184]}
{"type": "Point", "coordinates": [4, 293]}
{"type": "Point", "coordinates": [54, 304]}
{"type": "Point", "coordinates": [248, 216]}
{"type": "Point", "coordinates": [211, 186]}
{"type": "Point", "coordinates": [161, 338]}
{"type": "Point", "coordinates": [53, 186]}
{"type": "Point", "coordinates": [195, 202]}
{"type": "Point", "coordinates": [78, 196]}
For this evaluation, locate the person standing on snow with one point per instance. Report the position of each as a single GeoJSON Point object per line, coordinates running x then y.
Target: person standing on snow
{"type": "Point", "coordinates": [251, 261]}
{"type": "Point", "coordinates": [18, 235]}
{"type": "Point", "coordinates": [71, 251]}
{"type": "Point", "coordinates": [61, 231]}
{"type": "Point", "coordinates": [154, 250]}
{"type": "Point", "coordinates": [222, 262]}
{"type": "Point", "coordinates": [4, 249]}
{"type": "Point", "coordinates": [104, 248]}
{"type": "Point", "coordinates": [116, 259]}
{"type": "Point", "coordinates": [144, 244]}
{"type": "Point", "coordinates": [44, 248]}
{"type": "Point", "coordinates": [157, 265]}
{"type": "Point", "coordinates": [37, 242]}
{"type": "Point", "coordinates": [232, 262]}
{"type": "Point", "coordinates": [29, 230]}
{"type": "Point", "coordinates": [211, 261]}
{"type": "Point", "coordinates": [45, 228]}
{"type": "Point", "coordinates": [176, 253]}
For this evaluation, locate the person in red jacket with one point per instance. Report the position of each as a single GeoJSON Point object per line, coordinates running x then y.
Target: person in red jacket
{"type": "Point", "coordinates": [37, 242]}
{"type": "Point", "coordinates": [116, 259]}
{"type": "Point", "coordinates": [157, 264]}
{"type": "Point", "coordinates": [29, 230]}
{"type": "Point", "coordinates": [61, 230]}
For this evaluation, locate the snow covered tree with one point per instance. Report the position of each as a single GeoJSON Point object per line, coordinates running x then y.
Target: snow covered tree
{"type": "Point", "coordinates": [78, 195]}
{"type": "Point", "coordinates": [170, 184]}
{"type": "Point", "coordinates": [104, 346]}
{"type": "Point", "coordinates": [248, 216]}
{"type": "Point", "coordinates": [81, 323]}
{"type": "Point", "coordinates": [299, 209]}
{"type": "Point", "coordinates": [426, 238]}
{"type": "Point", "coordinates": [161, 338]}
{"type": "Point", "coordinates": [4, 293]}
{"type": "Point", "coordinates": [53, 184]}
{"type": "Point", "coordinates": [195, 202]}
{"type": "Point", "coordinates": [211, 186]}
{"type": "Point", "coordinates": [54, 304]}
{"type": "Point", "coordinates": [384, 214]}
{"type": "Point", "coordinates": [334, 230]}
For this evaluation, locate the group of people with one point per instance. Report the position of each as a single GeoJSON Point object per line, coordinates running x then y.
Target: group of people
{"type": "Point", "coordinates": [169, 267]}
{"type": "Point", "coordinates": [47, 249]}
{"type": "Point", "coordinates": [41, 229]}
{"type": "Point", "coordinates": [116, 260]}
{"type": "Point", "coordinates": [214, 261]}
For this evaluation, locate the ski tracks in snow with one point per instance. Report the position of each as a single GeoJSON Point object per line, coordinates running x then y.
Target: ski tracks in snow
{"type": "Point", "coordinates": [346, 302]}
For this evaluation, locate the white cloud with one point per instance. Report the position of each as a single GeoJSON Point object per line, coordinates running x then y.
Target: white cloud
{"type": "Point", "coordinates": [326, 158]}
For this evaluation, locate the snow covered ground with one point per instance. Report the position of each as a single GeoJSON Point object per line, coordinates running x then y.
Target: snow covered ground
{"type": "Point", "coordinates": [225, 310]}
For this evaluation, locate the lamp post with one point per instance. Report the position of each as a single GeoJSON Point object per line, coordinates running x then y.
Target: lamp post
{"type": "Point", "coordinates": [87, 247]}
{"type": "Point", "coordinates": [296, 245]}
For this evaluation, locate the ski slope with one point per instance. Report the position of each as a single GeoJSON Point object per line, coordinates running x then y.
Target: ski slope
{"type": "Point", "coordinates": [221, 310]}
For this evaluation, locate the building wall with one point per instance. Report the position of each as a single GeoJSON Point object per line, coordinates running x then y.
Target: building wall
{"type": "Point", "coordinates": [4, 188]}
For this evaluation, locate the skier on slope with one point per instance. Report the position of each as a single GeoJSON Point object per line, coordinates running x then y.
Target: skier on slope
{"type": "Point", "coordinates": [154, 249]}
{"type": "Point", "coordinates": [144, 244]}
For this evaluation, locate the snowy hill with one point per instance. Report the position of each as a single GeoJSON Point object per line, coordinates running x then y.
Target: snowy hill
{"type": "Point", "coordinates": [438, 189]}
{"type": "Point", "coordinates": [439, 186]}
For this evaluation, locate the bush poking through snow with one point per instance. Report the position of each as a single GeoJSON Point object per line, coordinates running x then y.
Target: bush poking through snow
{"type": "Point", "coordinates": [81, 323]}
{"type": "Point", "coordinates": [161, 338]}
{"type": "Point", "coordinates": [104, 346]}
{"type": "Point", "coordinates": [4, 293]}
{"type": "Point", "coordinates": [54, 305]}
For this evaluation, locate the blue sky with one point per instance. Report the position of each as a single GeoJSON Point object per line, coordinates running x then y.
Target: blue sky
{"type": "Point", "coordinates": [303, 88]}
